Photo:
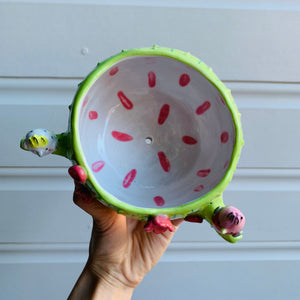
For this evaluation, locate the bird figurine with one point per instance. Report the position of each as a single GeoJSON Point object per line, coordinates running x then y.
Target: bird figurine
{"type": "Point", "coordinates": [228, 220]}
{"type": "Point", "coordinates": [40, 142]}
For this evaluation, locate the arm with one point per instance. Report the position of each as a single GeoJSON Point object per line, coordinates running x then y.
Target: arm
{"type": "Point", "coordinates": [89, 286]}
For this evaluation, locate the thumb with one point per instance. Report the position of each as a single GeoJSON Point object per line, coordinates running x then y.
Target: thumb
{"type": "Point", "coordinates": [86, 200]}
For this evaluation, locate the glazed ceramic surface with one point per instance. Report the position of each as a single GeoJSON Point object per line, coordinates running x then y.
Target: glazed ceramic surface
{"type": "Point", "coordinates": [155, 132]}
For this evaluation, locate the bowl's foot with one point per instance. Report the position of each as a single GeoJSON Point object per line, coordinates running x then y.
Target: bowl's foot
{"type": "Point", "coordinates": [159, 224]}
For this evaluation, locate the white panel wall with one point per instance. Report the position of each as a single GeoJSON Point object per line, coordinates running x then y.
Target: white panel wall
{"type": "Point", "coordinates": [46, 48]}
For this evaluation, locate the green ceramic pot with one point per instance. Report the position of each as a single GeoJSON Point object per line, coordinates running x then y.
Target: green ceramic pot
{"type": "Point", "coordinates": [156, 132]}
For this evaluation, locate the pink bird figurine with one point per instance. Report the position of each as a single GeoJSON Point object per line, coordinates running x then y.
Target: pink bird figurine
{"type": "Point", "coordinates": [228, 220]}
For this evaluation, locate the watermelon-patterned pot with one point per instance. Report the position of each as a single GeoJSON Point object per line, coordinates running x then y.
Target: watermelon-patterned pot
{"type": "Point", "coordinates": [156, 134]}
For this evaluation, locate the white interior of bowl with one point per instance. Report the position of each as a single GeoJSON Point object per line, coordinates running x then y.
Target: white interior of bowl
{"type": "Point", "coordinates": [155, 132]}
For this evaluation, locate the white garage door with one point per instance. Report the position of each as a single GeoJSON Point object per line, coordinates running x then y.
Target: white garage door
{"type": "Point", "coordinates": [47, 47]}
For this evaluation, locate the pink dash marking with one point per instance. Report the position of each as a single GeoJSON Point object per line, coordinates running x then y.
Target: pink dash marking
{"type": "Point", "coordinates": [164, 162]}
{"type": "Point", "coordinates": [226, 164]}
{"type": "Point", "coordinates": [85, 101]}
{"type": "Point", "coordinates": [121, 136]}
{"type": "Point", "coordinates": [203, 108]}
{"type": "Point", "coordinates": [125, 101]}
{"type": "Point", "coordinates": [129, 178]}
{"type": "Point", "coordinates": [163, 114]}
{"type": "Point", "coordinates": [199, 188]}
{"type": "Point", "coordinates": [224, 137]}
{"type": "Point", "coordinates": [184, 80]}
{"type": "Point", "coordinates": [113, 71]}
{"type": "Point", "coordinates": [151, 79]}
{"type": "Point", "coordinates": [203, 173]}
{"type": "Point", "coordinates": [98, 165]}
{"type": "Point", "coordinates": [189, 140]}
{"type": "Point", "coordinates": [93, 115]}
{"type": "Point", "coordinates": [222, 100]}
{"type": "Point", "coordinates": [159, 201]}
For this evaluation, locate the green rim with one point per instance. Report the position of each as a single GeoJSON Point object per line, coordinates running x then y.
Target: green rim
{"type": "Point", "coordinates": [207, 72]}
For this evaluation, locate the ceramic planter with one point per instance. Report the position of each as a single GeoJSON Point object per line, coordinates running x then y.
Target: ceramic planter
{"type": "Point", "coordinates": [157, 134]}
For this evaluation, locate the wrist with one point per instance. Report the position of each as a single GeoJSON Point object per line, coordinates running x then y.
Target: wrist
{"type": "Point", "coordinates": [106, 290]}
{"type": "Point", "coordinates": [109, 286]}
{"type": "Point", "coordinates": [115, 272]}
{"type": "Point", "coordinates": [93, 287]}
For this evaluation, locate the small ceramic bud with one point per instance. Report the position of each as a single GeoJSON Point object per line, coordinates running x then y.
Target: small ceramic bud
{"type": "Point", "coordinates": [159, 224]}
{"type": "Point", "coordinates": [40, 142]}
{"type": "Point", "coordinates": [228, 220]}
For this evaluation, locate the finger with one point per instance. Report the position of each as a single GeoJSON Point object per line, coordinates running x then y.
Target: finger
{"type": "Point", "coordinates": [82, 196]}
{"type": "Point", "coordinates": [85, 199]}
{"type": "Point", "coordinates": [176, 223]}
{"type": "Point", "coordinates": [170, 234]}
{"type": "Point", "coordinates": [132, 223]}
{"type": "Point", "coordinates": [77, 173]}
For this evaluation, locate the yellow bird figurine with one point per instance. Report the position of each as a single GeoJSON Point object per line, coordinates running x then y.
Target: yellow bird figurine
{"type": "Point", "coordinates": [40, 142]}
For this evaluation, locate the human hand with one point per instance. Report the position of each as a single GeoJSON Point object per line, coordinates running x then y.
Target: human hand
{"type": "Point", "coordinates": [121, 251]}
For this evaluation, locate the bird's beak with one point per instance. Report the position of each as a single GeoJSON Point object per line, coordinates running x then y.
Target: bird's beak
{"type": "Point", "coordinates": [40, 153]}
